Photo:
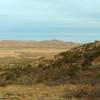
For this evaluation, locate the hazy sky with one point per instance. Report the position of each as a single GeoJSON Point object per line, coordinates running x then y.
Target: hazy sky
{"type": "Point", "coordinates": [69, 20]}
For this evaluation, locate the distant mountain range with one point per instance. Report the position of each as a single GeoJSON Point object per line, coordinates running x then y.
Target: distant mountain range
{"type": "Point", "coordinates": [37, 44]}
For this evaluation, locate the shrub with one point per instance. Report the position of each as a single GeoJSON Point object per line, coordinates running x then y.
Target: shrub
{"type": "Point", "coordinates": [97, 76]}
{"type": "Point", "coordinates": [73, 70]}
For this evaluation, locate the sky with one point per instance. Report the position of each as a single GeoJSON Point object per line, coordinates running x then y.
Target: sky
{"type": "Point", "coordinates": [68, 20]}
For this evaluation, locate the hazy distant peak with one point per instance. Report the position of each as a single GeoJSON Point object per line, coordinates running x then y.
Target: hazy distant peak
{"type": "Point", "coordinates": [37, 44]}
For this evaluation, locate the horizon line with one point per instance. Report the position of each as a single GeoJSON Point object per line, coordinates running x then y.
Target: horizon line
{"type": "Point", "coordinates": [40, 40]}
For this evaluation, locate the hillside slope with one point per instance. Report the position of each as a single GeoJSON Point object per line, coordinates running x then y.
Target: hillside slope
{"type": "Point", "coordinates": [78, 65]}
{"type": "Point", "coordinates": [75, 65]}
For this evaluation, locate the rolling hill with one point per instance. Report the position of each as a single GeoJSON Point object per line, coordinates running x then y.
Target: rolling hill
{"type": "Point", "coordinates": [37, 44]}
{"type": "Point", "coordinates": [78, 65]}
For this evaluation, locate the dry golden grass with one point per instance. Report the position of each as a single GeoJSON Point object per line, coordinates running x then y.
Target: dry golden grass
{"type": "Point", "coordinates": [29, 51]}
{"type": "Point", "coordinates": [40, 92]}
{"type": "Point", "coordinates": [4, 53]}
{"type": "Point", "coordinates": [44, 92]}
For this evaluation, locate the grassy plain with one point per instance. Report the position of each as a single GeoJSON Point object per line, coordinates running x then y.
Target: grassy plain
{"type": "Point", "coordinates": [30, 52]}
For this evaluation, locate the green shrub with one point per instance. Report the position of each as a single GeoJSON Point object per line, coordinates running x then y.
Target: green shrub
{"type": "Point", "coordinates": [72, 71]}
{"type": "Point", "coordinates": [97, 76]}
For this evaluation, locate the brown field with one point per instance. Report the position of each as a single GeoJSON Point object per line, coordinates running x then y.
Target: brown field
{"type": "Point", "coordinates": [30, 52]}
{"type": "Point", "coordinates": [33, 48]}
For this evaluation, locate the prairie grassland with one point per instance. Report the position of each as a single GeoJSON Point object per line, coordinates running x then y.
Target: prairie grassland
{"type": "Point", "coordinates": [29, 52]}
